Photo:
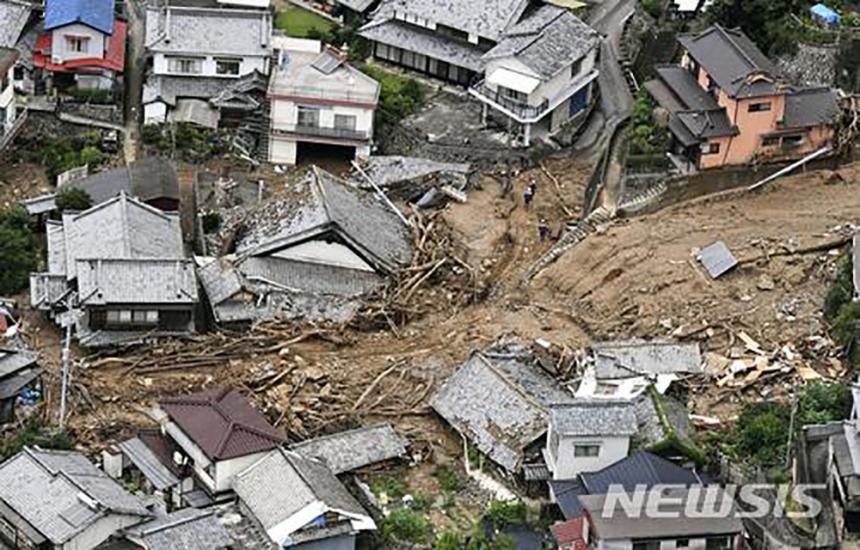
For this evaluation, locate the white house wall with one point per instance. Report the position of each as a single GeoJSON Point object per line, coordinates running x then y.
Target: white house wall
{"type": "Point", "coordinates": [285, 114]}
{"type": "Point", "coordinates": [567, 466]}
{"type": "Point", "coordinates": [226, 470]}
{"type": "Point", "coordinates": [247, 65]}
{"type": "Point", "coordinates": [7, 102]}
{"type": "Point", "coordinates": [282, 151]}
{"type": "Point", "coordinates": [155, 113]}
{"type": "Point", "coordinates": [95, 44]}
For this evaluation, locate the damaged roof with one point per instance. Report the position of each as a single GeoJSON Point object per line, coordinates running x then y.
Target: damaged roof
{"type": "Point", "coordinates": [136, 280]}
{"type": "Point", "coordinates": [325, 203]}
{"type": "Point", "coordinates": [628, 359]}
{"type": "Point", "coordinates": [18, 368]}
{"type": "Point", "coordinates": [222, 423]}
{"type": "Point", "coordinates": [354, 449]}
{"type": "Point", "coordinates": [145, 179]}
{"type": "Point", "coordinates": [546, 41]}
{"type": "Point", "coordinates": [390, 170]}
{"type": "Point", "coordinates": [811, 107]}
{"type": "Point", "coordinates": [499, 399]}
{"type": "Point", "coordinates": [45, 489]}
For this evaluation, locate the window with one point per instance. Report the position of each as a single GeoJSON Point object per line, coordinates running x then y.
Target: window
{"type": "Point", "coordinates": [718, 543]}
{"type": "Point", "coordinates": [759, 107]}
{"type": "Point", "coordinates": [229, 67]}
{"type": "Point", "coordinates": [710, 148]}
{"type": "Point", "coordinates": [79, 44]}
{"type": "Point", "coordinates": [118, 317]}
{"type": "Point", "coordinates": [682, 543]}
{"type": "Point", "coordinates": [309, 116]}
{"type": "Point", "coordinates": [770, 141]}
{"type": "Point", "coordinates": [345, 122]}
{"type": "Point", "coordinates": [513, 95]}
{"type": "Point", "coordinates": [144, 317]}
{"type": "Point", "coordinates": [586, 451]}
{"type": "Point", "coordinates": [185, 65]}
{"type": "Point", "coordinates": [646, 545]}
{"type": "Point", "coordinates": [792, 140]}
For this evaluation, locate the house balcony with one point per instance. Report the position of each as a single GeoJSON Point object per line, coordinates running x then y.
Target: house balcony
{"type": "Point", "coordinates": [322, 95]}
{"type": "Point", "coordinates": [525, 113]}
{"type": "Point", "coordinates": [321, 132]}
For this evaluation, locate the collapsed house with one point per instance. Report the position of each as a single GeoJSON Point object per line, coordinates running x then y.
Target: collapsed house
{"type": "Point", "coordinates": [209, 60]}
{"type": "Point", "coordinates": [424, 182]}
{"type": "Point", "coordinates": [82, 45]}
{"type": "Point", "coordinates": [354, 449]}
{"type": "Point", "coordinates": [152, 180]}
{"type": "Point", "coordinates": [188, 529]}
{"type": "Point", "coordinates": [20, 381]}
{"type": "Point", "coordinates": [318, 99]}
{"type": "Point", "coordinates": [308, 507]}
{"type": "Point", "coordinates": [117, 273]}
{"type": "Point", "coordinates": [627, 368]}
{"type": "Point", "coordinates": [310, 254]}
{"type": "Point", "coordinates": [500, 401]}
{"type": "Point", "coordinates": [729, 105]}
{"type": "Point", "coordinates": [58, 499]}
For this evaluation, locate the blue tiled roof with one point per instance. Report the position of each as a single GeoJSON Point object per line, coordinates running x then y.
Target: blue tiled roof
{"type": "Point", "coordinates": [97, 14]}
{"type": "Point", "coordinates": [641, 468]}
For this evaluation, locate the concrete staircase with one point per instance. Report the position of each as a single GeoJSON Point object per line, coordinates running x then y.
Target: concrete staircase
{"type": "Point", "coordinates": [575, 233]}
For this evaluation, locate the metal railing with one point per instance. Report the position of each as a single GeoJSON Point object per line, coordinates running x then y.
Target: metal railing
{"type": "Point", "coordinates": [519, 108]}
{"type": "Point", "coordinates": [312, 92]}
{"type": "Point", "coordinates": [321, 131]}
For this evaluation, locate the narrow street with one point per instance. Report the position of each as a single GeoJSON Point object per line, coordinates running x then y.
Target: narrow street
{"type": "Point", "coordinates": [133, 78]}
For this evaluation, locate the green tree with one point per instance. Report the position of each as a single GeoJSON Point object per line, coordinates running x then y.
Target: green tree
{"type": "Point", "coordinates": [448, 540]}
{"type": "Point", "coordinates": [17, 255]}
{"type": "Point", "coordinates": [767, 22]}
{"type": "Point", "coordinates": [820, 403]}
{"type": "Point", "coordinates": [502, 514]}
{"type": "Point", "coordinates": [841, 291]}
{"type": "Point", "coordinates": [761, 432]}
{"type": "Point", "coordinates": [73, 198]}
{"type": "Point", "coordinates": [405, 525]}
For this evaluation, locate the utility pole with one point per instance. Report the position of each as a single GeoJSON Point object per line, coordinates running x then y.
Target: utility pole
{"type": "Point", "coordinates": [65, 376]}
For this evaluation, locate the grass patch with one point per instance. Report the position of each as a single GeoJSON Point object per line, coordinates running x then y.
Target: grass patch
{"type": "Point", "coordinates": [301, 23]}
{"type": "Point", "coordinates": [449, 480]}
{"type": "Point", "coordinates": [392, 487]}
{"type": "Point", "coordinates": [407, 526]}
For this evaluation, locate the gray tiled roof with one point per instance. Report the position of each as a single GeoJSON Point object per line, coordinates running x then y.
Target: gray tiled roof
{"type": "Point", "coordinates": [148, 463]}
{"type": "Point", "coordinates": [12, 360]}
{"type": "Point", "coordinates": [168, 88]}
{"type": "Point", "coordinates": [679, 521]}
{"type": "Point", "coordinates": [598, 417]}
{"type": "Point", "coordinates": [546, 41]}
{"type": "Point", "coordinates": [14, 15]}
{"type": "Point", "coordinates": [121, 227]}
{"type": "Point", "coordinates": [501, 402]}
{"type": "Point", "coordinates": [237, 32]}
{"type": "Point", "coordinates": [220, 280]}
{"type": "Point", "coordinates": [45, 488]}
{"type": "Point", "coordinates": [389, 170]}
{"type": "Point", "coordinates": [136, 280]}
{"type": "Point", "coordinates": [810, 107]}
{"type": "Point", "coordinates": [706, 124]}
{"type": "Point", "coordinates": [653, 425]}
{"type": "Point", "coordinates": [638, 357]}
{"type": "Point", "coordinates": [146, 179]}
{"type": "Point", "coordinates": [686, 89]}
{"type": "Point", "coordinates": [187, 529]}
{"type": "Point", "coordinates": [359, 6]}
{"type": "Point", "coordinates": [284, 482]}
{"type": "Point", "coordinates": [354, 449]}
{"type": "Point", "coordinates": [486, 18]}
{"type": "Point", "coordinates": [729, 57]}
{"type": "Point", "coordinates": [415, 39]}
{"type": "Point", "coordinates": [327, 203]}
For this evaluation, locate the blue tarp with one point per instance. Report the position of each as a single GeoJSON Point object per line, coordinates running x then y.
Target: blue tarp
{"type": "Point", "coordinates": [823, 14]}
{"type": "Point", "coordinates": [97, 14]}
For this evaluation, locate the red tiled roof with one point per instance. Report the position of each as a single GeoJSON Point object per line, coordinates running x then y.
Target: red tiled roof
{"type": "Point", "coordinates": [161, 447]}
{"type": "Point", "coordinates": [569, 533]}
{"type": "Point", "coordinates": [113, 60]}
{"type": "Point", "coordinates": [223, 423]}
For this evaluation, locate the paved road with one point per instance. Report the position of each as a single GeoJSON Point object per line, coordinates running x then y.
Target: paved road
{"type": "Point", "coordinates": [133, 78]}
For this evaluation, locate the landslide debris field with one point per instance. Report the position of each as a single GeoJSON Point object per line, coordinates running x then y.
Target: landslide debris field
{"type": "Point", "coordinates": [638, 278]}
